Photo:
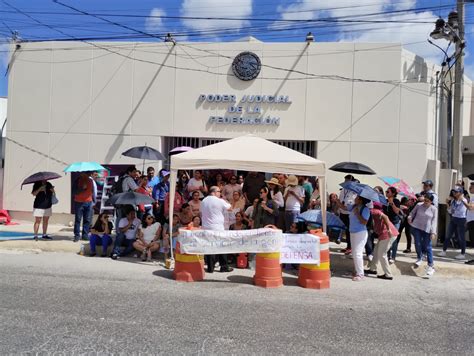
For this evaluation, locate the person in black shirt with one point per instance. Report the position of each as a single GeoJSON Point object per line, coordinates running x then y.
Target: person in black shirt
{"type": "Point", "coordinates": [43, 192]}
{"type": "Point", "coordinates": [394, 214]}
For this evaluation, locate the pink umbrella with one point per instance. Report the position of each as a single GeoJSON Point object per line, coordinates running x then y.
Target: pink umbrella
{"type": "Point", "coordinates": [180, 149]}
{"type": "Point", "coordinates": [400, 185]}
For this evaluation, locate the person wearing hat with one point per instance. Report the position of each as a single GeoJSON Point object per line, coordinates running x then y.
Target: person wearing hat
{"type": "Point", "coordinates": [231, 187]}
{"type": "Point", "coordinates": [159, 194]}
{"type": "Point", "coordinates": [457, 207]}
{"type": "Point", "coordinates": [275, 192]}
{"type": "Point", "coordinates": [294, 200]}
{"type": "Point", "coordinates": [428, 189]}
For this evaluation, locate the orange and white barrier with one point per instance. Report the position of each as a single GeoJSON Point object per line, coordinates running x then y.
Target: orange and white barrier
{"type": "Point", "coordinates": [188, 268]}
{"type": "Point", "coordinates": [268, 270]}
{"type": "Point", "coordinates": [317, 276]}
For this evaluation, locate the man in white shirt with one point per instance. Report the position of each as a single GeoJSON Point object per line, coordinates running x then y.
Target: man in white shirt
{"type": "Point", "coordinates": [213, 210]}
{"type": "Point", "coordinates": [126, 234]}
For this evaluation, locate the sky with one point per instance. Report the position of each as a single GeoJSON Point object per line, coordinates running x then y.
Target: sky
{"type": "Point", "coordinates": [404, 21]}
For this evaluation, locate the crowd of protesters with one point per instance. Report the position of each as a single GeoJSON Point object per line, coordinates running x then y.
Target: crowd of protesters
{"type": "Point", "coordinates": [254, 202]}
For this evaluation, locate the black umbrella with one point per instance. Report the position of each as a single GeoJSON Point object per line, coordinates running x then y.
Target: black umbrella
{"type": "Point", "coordinates": [352, 167]}
{"type": "Point", "coordinates": [144, 153]}
{"type": "Point", "coordinates": [130, 198]}
{"type": "Point", "coordinates": [40, 176]}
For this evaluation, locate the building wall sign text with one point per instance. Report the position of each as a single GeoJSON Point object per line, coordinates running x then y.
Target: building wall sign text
{"type": "Point", "coordinates": [247, 111]}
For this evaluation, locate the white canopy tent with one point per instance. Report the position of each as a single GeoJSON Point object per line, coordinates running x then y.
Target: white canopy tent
{"type": "Point", "coordinates": [248, 153]}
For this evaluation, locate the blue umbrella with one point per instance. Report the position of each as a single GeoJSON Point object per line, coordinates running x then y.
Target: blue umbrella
{"type": "Point", "coordinates": [364, 191]}
{"type": "Point", "coordinates": [84, 167]}
{"type": "Point", "coordinates": [315, 217]}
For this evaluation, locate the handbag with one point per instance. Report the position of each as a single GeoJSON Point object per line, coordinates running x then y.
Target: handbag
{"type": "Point", "coordinates": [54, 199]}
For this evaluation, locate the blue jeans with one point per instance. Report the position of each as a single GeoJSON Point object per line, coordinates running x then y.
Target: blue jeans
{"type": "Point", "coordinates": [422, 244]}
{"type": "Point", "coordinates": [82, 212]}
{"type": "Point", "coordinates": [459, 225]}
{"type": "Point", "coordinates": [105, 241]}
{"type": "Point", "coordinates": [392, 253]}
{"type": "Point", "coordinates": [119, 242]}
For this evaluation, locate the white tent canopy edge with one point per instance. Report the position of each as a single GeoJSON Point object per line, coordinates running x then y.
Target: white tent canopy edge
{"type": "Point", "coordinates": [247, 153]}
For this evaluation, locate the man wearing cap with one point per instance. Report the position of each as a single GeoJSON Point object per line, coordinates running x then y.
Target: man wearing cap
{"type": "Point", "coordinates": [457, 207]}
{"type": "Point", "coordinates": [231, 187]}
{"type": "Point", "coordinates": [428, 189]}
{"type": "Point", "coordinates": [347, 198]}
{"type": "Point", "coordinates": [159, 194]}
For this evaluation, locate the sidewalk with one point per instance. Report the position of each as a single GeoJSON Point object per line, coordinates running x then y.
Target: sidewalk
{"type": "Point", "coordinates": [340, 264]}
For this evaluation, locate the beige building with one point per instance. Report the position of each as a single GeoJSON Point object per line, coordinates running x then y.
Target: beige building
{"type": "Point", "coordinates": [371, 103]}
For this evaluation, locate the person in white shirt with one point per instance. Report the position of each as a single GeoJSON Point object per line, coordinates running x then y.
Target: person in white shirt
{"type": "Point", "coordinates": [149, 234]}
{"type": "Point", "coordinates": [197, 184]}
{"type": "Point", "coordinates": [213, 212]}
{"type": "Point", "coordinates": [127, 233]}
{"type": "Point", "coordinates": [347, 198]}
{"type": "Point", "coordinates": [294, 199]}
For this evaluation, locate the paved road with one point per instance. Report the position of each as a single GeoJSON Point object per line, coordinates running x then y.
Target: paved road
{"type": "Point", "coordinates": [64, 303]}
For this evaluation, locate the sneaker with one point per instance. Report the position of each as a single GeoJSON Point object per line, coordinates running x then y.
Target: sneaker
{"type": "Point", "coordinates": [226, 269]}
{"type": "Point", "coordinates": [429, 272]}
{"type": "Point", "coordinates": [391, 261]}
{"type": "Point", "coordinates": [114, 256]}
{"type": "Point", "coordinates": [442, 254]}
{"type": "Point", "coordinates": [384, 276]}
{"type": "Point", "coordinates": [103, 255]}
{"type": "Point", "coordinates": [460, 257]}
{"type": "Point", "coordinates": [148, 259]}
{"type": "Point", "coordinates": [92, 254]}
{"type": "Point", "coordinates": [470, 262]}
{"type": "Point", "coordinates": [370, 257]}
{"type": "Point", "coordinates": [35, 238]}
{"type": "Point", "coordinates": [357, 278]}
{"type": "Point", "coordinates": [76, 239]}
{"type": "Point", "coordinates": [348, 251]}
{"type": "Point", "coordinates": [144, 255]}
{"type": "Point", "coordinates": [368, 271]}
{"type": "Point", "coordinates": [418, 263]}
{"type": "Point", "coordinates": [407, 251]}
{"type": "Point", "coordinates": [46, 237]}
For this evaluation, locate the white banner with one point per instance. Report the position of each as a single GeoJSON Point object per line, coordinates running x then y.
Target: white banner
{"type": "Point", "coordinates": [301, 249]}
{"type": "Point", "coordinates": [210, 242]}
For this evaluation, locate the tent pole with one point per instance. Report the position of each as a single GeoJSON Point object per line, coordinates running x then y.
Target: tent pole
{"type": "Point", "coordinates": [171, 208]}
{"type": "Point", "coordinates": [322, 192]}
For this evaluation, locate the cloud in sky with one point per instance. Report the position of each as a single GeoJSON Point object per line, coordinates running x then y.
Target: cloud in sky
{"type": "Point", "coordinates": [155, 23]}
{"type": "Point", "coordinates": [389, 31]}
{"type": "Point", "coordinates": [216, 8]}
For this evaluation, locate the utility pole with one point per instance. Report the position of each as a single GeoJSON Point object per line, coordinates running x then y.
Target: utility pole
{"type": "Point", "coordinates": [458, 92]}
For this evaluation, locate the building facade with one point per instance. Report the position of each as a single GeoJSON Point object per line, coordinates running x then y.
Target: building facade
{"type": "Point", "coordinates": [376, 104]}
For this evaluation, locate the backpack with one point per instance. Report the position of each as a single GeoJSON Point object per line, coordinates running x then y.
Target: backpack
{"type": "Point", "coordinates": [117, 187]}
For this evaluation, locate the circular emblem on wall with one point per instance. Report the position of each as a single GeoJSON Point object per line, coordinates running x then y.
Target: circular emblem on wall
{"type": "Point", "coordinates": [246, 66]}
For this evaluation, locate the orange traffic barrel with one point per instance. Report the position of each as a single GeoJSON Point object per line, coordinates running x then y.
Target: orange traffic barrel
{"type": "Point", "coordinates": [268, 270]}
{"type": "Point", "coordinates": [188, 268]}
{"type": "Point", "coordinates": [317, 276]}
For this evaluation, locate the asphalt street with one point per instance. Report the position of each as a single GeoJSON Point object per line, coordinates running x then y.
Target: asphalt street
{"type": "Point", "coordinates": [63, 303]}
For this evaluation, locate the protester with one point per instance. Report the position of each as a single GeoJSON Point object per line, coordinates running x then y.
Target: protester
{"type": "Point", "coordinates": [83, 191]}
{"type": "Point", "coordinates": [126, 235]}
{"type": "Point", "coordinates": [423, 220]}
{"type": "Point", "coordinates": [308, 192]}
{"type": "Point", "coordinates": [393, 211]}
{"type": "Point", "coordinates": [470, 216]}
{"type": "Point", "coordinates": [159, 194]}
{"type": "Point", "coordinates": [149, 233]}
{"type": "Point", "coordinates": [276, 194]}
{"type": "Point", "coordinates": [315, 200]}
{"type": "Point", "coordinates": [239, 222]}
{"type": "Point", "coordinates": [42, 207]}
{"type": "Point", "coordinates": [231, 187]}
{"type": "Point", "coordinates": [347, 198]}
{"type": "Point", "coordinates": [152, 180]}
{"type": "Point", "coordinates": [386, 233]}
{"type": "Point", "coordinates": [101, 234]}
{"type": "Point", "coordinates": [240, 181]}
{"type": "Point", "coordinates": [178, 202]}
{"type": "Point", "coordinates": [142, 189]}
{"type": "Point", "coordinates": [457, 207]}
{"type": "Point", "coordinates": [219, 181]}
{"type": "Point", "coordinates": [294, 199]}
{"type": "Point", "coordinates": [428, 189]}
{"type": "Point", "coordinates": [166, 235]}
{"type": "Point", "coordinates": [359, 215]}
{"type": "Point", "coordinates": [213, 210]}
{"type": "Point", "coordinates": [182, 184]}
{"type": "Point", "coordinates": [186, 215]}
{"type": "Point", "coordinates": [197, 184]}
{"type": "Point", "coordinates": [407, 205]}
{"type": "Point", "coordinates": [196, 222]}
{"type": "Point", "coordinates": [252, 184]}
{"type": "Point", "coordinates": [249, 213]}
{"type": "Point", "coordinates": [265, 211]}
{"type": "Point", "coordinates": [195, 203]}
